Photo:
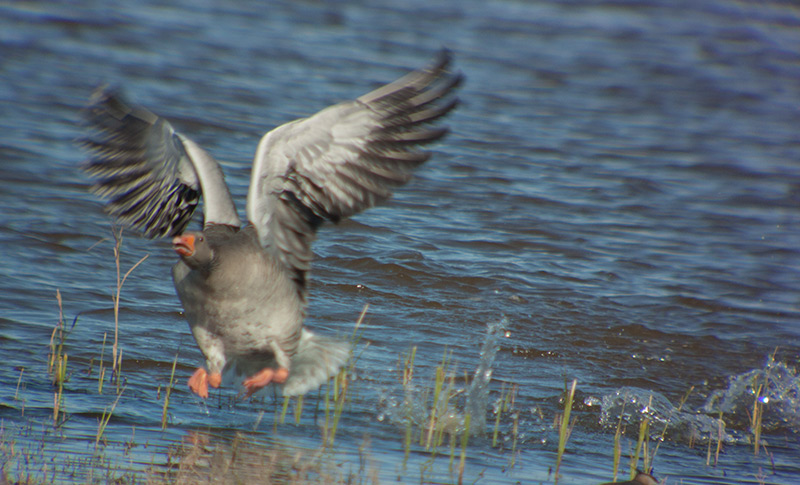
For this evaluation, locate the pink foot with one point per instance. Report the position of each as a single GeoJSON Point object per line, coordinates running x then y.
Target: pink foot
{"type": "Point", "coordinates": [198, 383]}
{"type": "Point", "coordinates": [201, 379]}
{"type": "Point", "coordinates": [263, 377]}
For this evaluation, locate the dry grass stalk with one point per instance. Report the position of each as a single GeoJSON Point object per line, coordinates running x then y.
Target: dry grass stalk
{"type": "Point", "coordinates": [19, 382]}
{"type": "Point", "coordinates": [758, 413]}
{"type": "Point", "coordinates": [102, 374]}
{"type": "Point", "coordinates": [120, 282]}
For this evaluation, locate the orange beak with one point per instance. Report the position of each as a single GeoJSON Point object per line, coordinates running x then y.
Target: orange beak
{"type": "Point", "coordinates": [184, 245]}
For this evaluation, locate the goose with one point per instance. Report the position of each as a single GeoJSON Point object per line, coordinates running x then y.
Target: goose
{"type": "Point", "coordinates": [243, 285]}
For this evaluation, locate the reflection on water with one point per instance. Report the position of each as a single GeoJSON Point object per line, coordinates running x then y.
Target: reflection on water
{"type": "Point", "coordinates": [620, 185]}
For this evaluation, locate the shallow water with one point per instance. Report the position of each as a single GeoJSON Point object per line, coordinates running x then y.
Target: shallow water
{"type": "Point", "coordinates": [620, 187]}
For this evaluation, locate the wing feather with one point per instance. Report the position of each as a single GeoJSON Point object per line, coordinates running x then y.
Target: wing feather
{"type": "Point", "coordinates": [344, 159]}
{"type": "Point", "coordinates": [152, 176]}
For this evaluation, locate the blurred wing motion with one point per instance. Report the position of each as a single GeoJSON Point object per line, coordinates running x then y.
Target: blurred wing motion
{"type": "Point", "coordinates": [152, 176]}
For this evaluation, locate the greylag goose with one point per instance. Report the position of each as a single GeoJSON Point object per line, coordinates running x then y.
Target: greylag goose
{"type": "Point", "coordinates": [243, 287]}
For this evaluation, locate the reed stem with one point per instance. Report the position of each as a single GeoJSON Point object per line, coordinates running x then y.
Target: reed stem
{"type": "Point", "coordinates": [168, 393]}
{"type": "Point", "coordinates": [564, 428]}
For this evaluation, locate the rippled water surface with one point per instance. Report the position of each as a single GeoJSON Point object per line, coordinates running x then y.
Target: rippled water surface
{"type": "Point", "coordinates": [620, 189]}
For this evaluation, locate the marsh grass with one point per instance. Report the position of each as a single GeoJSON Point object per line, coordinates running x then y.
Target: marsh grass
{"type": "Point", "coordinates": [642, 446]}
{"type": "Point", "coordinates": [445, 428]}
{"type": "Point", "coordinates": [441, 431]}
{"type": "Point", "coordinates": [57, 363]}
{"type": "Point", "coordinates": [618, 444]}
{"type": "Point", "coordinates": [565, 427]}
{"type": "Point", "coordinates": [720, 432]}
{"type": "Point", "coordinates": [758, 413]}
{"type": "Point", "coordinates": [433, 434]}
{"type": "Point", "coordinates": [514, 438]}
{"type": "Point", "coordinates": [338, 393]}
{"type": "Point", "coordinates": [104, 419]}
{"type": "Point", "coordinates": [248, 459]}
{"type": "Point", "coordinates": [436, 418]}
{"type": "Point", "coordinates": [759, 400]}
{"type": "Point", "coordinates": [168, 393]}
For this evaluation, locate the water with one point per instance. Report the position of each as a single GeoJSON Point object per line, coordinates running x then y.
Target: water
{"type": "Point", "coordinates": [621, 184]}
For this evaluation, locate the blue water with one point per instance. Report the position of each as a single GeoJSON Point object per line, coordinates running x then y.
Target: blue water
{"type": "Point", "coordinates": [621, 187]}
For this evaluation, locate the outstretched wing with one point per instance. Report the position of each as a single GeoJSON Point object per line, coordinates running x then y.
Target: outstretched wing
{"type": "Point", "coordinates": [152, 176]}
{"type": "Point", "coordinates": [344, 159]}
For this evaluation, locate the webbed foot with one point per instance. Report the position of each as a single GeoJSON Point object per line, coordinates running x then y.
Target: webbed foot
{"type": "Point", "coordinates": [201, 379]}
{"type": "Point", "coordinates": [262, 378]}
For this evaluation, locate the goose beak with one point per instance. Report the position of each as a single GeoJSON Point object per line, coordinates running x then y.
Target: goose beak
{"type": "Point", "coordinates": [184, 245]}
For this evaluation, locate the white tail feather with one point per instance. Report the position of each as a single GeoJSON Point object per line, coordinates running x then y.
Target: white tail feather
{"type": "Point", "coordinates": [317, 359]}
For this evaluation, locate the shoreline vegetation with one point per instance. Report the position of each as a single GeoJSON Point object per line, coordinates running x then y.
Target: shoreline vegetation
{"type": "Point", "coordinates": [438, 415]}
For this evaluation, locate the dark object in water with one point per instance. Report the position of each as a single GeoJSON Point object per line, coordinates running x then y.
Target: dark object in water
{"type": "Point", "coordinates": [641, 478]}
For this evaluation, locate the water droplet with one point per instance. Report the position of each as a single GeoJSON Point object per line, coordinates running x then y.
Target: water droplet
{"type": "Point", "coordinates": [592, 401]}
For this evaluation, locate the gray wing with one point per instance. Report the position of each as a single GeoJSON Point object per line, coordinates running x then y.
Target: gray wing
{"type": "Point", "coordinates": [344, 159]}
{"type": "Point", "coordinates": [152, 176]}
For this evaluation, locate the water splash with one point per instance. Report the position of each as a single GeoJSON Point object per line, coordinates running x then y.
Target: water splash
{"type": "Point", "coordinates": [726, 414]}
{"type": "Point", "coordinates": [629, 405]}
{"type": "Point", "coordinates": [478, 392]}
{"type": "Point", "coordinates": [418, 403]}
{"type": "Point", "coordinates": [776, 386]}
